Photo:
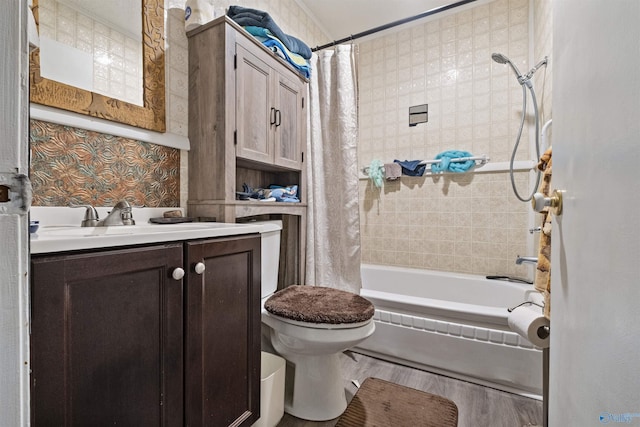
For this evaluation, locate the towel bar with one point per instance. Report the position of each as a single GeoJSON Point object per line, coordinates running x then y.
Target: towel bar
{"type": "Point", "coordinates": [482, 159]}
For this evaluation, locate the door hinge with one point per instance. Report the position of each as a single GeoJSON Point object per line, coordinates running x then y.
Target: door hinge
{"type": "Point", "coordinates": [235, 137]}
{"type": "Point", "coordinates": [15, 193]}
{"type": "Point", "coordinates": [4, 194]}
{"type": "Point", "coordinates": [235, 61]}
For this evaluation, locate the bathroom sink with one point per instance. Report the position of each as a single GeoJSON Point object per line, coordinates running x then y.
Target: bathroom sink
{"type": "Point", "coordinates": [67, 238]}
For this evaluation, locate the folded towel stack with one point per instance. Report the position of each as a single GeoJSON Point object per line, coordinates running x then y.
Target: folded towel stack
{"type": "Point", "coordinates": [269, 40]}
{"type": "Point", "coordinates": [289, 45]}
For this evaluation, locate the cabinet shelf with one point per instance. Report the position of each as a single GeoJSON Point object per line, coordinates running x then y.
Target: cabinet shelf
{"type": "Point", "coordinates": [248, 208]}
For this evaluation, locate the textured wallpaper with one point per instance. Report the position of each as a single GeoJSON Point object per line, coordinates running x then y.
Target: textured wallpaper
{"type": "Point", "coordinates": [70, 165]}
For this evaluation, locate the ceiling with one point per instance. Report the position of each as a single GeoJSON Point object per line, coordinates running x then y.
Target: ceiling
{"type": "Point", "coordinates": [342, 18]}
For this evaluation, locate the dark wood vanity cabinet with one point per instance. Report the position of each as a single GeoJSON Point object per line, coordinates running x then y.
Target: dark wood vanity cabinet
{"type": "Point", "coordinates": [222, 333]}
{"type": "Point", "coordinates": [106, 338]}
{"type": "Point", "coordinates": [116, 340]}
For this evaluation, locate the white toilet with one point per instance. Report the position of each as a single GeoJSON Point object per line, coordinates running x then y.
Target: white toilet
{"type": "Point", "coordinates": [314, 383]}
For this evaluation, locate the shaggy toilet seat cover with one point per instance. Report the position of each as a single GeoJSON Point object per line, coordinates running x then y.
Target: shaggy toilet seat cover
{"type": "Point", "coordinates": [318, 304]}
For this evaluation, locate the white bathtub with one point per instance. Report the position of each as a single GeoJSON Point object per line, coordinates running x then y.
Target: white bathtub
{"type": "Point", "coordinates": [452, 324]}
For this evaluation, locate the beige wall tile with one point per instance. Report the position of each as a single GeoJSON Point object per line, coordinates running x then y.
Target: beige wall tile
{"type": "Point", "coordinates": [472, 223]}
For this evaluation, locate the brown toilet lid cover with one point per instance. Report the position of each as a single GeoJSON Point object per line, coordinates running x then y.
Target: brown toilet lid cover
{"type": "Point", "coordinates": [319, 304]}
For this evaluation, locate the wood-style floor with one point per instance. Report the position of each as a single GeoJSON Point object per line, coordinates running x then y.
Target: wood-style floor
{"type": "Point", "coordinates": [478, 406]}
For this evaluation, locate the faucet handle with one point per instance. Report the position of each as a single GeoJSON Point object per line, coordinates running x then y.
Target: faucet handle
{"type": "Point", "coordinates": [126, 212]}
{"type": "Point", "coordinates": [90, 215]}
{"type": "Point", "coordinates": [127, 216]}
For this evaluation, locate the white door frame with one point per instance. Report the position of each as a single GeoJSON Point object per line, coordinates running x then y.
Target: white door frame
{"type": "Point", "coordinates": [14, 255]}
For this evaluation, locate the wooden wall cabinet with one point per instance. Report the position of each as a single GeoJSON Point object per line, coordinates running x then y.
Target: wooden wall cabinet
{"type": "Point", "coordinates": [270, 117]}
{"type": "Point", "coordinates": [116, 340]}
{"type": "Point", "coordinates": [247, 124]}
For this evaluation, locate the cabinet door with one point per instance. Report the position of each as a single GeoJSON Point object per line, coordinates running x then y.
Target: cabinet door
{"type": "Point", "coordinates": [106, 343]}
{"type": "Point", "coordinates": [290, 124]}
{"type": "Point", "coordinates": [255, 112]}
{"type": "Point", "coordinates": [222, 345]}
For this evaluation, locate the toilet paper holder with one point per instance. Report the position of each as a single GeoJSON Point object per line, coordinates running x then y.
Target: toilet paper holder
{"type": "Point", "coordinates": [524, 303]}
{"type": "Point", "coordinates": [544, 331]}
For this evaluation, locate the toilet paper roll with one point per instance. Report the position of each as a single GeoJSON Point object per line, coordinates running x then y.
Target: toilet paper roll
{"type": "Point", "coordinates": [530, 324]}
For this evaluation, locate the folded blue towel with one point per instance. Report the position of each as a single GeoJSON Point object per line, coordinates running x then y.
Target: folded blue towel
{"type": "Point", "coordinates": [411, 167]}
{"type": "Point", "coordinates": [266, 38]}
{"type": "Point", "coordinates": [245, 16]}
{"type": "Point", "coordinates": [447, 165]}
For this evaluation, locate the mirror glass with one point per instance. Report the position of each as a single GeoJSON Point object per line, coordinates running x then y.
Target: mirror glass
{"type": "Point", "coordinates": [94, 45]}
{"type": "Point", "coordinates": [101, 58]}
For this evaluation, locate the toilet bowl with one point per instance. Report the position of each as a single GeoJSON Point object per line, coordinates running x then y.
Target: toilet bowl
{"type": "Point", "coordinates": [308, 339]}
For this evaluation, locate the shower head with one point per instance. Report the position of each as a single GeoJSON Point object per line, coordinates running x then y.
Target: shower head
{"type": "Point", "coordinates": [499, 58]}
{"type": "Point", "coordinates": [502, 59]}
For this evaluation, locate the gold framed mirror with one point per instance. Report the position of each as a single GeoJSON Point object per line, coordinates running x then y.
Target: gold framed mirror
{"type": "Point", "coordinates": [151, 115]}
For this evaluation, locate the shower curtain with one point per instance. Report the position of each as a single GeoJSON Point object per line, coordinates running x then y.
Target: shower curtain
{"type": "Point", "coordinates": [333, 230]}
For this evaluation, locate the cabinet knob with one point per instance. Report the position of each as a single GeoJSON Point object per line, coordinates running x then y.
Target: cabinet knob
{"type": "Point", "coordinates": [177, 273]}
{"type": "Point", "coordinates": [199, 268]}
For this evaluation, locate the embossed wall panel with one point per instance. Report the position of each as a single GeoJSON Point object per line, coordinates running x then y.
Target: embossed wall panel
{"type": "Point", "coordinates": [70, 165]}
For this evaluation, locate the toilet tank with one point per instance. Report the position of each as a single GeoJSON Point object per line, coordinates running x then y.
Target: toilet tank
{"type": "Point", "coordinates": [270, 248]}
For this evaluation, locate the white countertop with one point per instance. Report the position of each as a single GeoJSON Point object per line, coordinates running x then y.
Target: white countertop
{"type": "Point", "coordinates": [60, 230]}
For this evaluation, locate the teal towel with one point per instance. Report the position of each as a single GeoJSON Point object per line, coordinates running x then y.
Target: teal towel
{"type": "Point", "coordinates": [376, 172]}
{"type": "Point", "coordinates": [446, 164]}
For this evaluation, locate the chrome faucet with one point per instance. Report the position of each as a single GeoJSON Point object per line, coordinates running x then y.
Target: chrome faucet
{"type": "Point", "coordinates": [120, 215]}
{"type": "Point", "coordinates": [526, 260]}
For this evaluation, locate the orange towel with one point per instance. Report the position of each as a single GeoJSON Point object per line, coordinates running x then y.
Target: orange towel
{"type": "Point", "coordinates": [542, 280]}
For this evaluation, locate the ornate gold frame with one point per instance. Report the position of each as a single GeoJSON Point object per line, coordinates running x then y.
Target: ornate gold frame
{"type": "Point", "coordinates": [151, 116]}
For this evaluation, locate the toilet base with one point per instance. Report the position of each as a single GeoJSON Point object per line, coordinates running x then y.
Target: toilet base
{"type": "Point", "coordinates": [314, 387]}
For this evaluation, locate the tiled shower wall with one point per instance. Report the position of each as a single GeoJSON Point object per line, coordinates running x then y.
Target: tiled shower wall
{"type": "Point", "coordinates": [462, 223]}
{"type": "Point", "coordinates": [291, 18]}
{"type": "Point", "coordinates": [543, 46]}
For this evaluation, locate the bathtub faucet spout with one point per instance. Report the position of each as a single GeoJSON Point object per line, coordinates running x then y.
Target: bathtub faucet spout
{"type": "Point", "coordinates": [526, 260]}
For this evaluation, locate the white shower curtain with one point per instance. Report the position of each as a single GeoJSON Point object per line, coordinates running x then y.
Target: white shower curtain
{"type": "Point", "coordinates": [333, 230]}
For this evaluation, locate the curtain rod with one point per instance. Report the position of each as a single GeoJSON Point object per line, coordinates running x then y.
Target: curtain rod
{"type": "Point", "coordinates": [394, 24]}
